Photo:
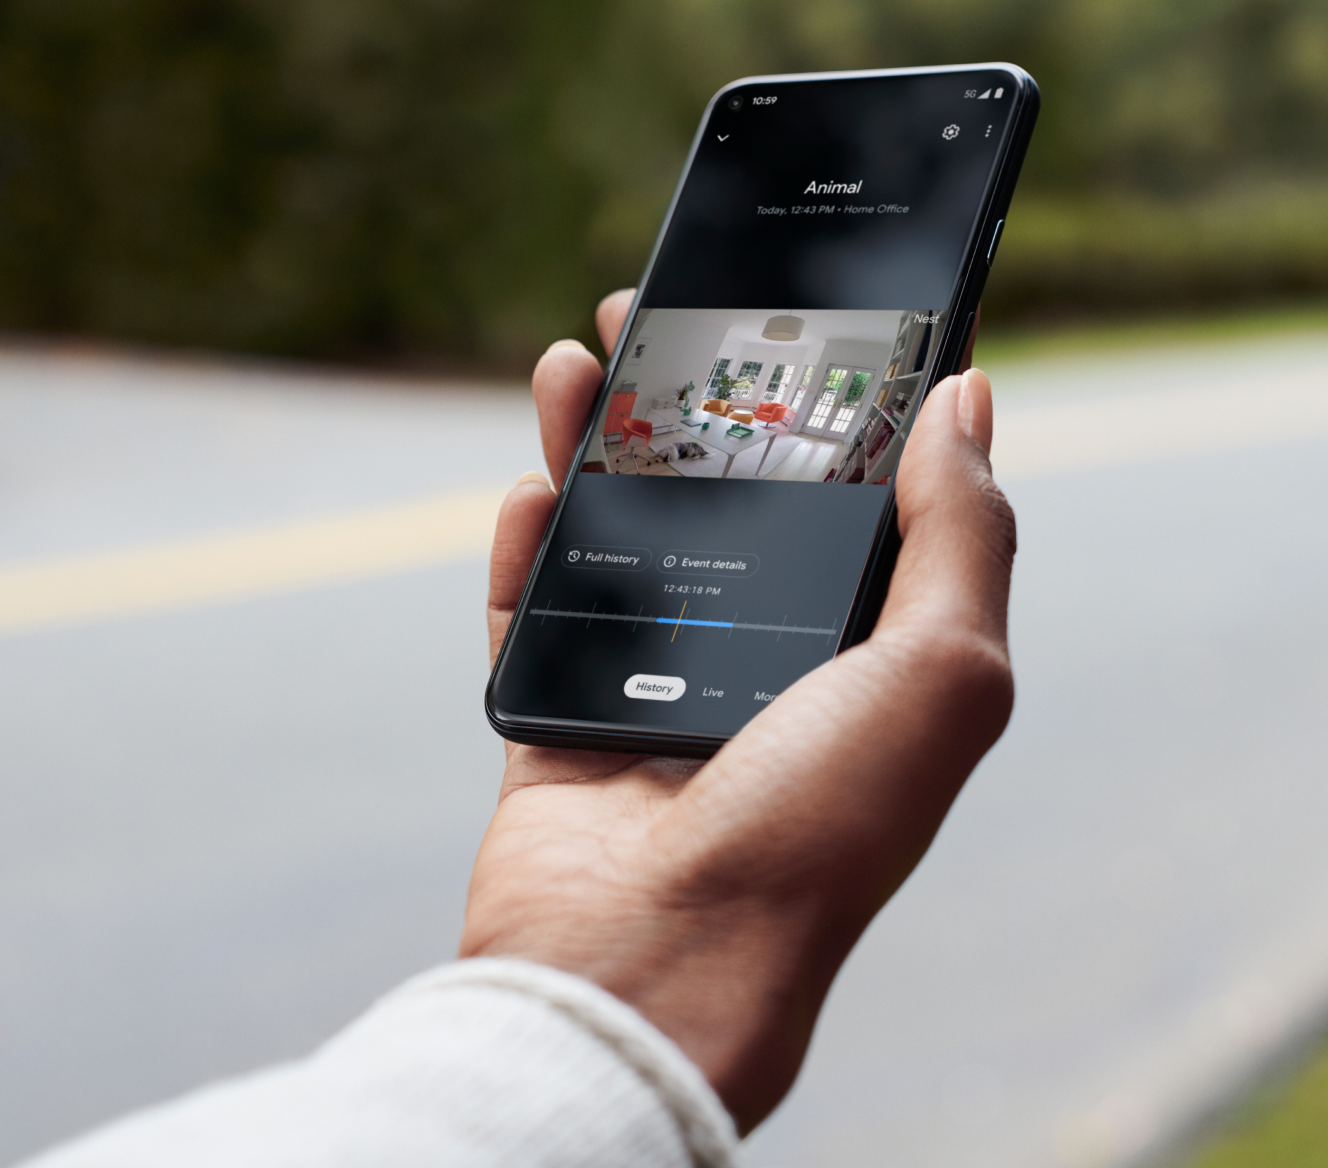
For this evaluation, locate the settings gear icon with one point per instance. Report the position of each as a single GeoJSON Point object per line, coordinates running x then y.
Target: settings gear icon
{"type": "Point", "coordinates": [950, 133]}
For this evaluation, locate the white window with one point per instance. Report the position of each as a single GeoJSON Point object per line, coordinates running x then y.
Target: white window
{"type": "Point", "coordinates": [717, 374]}
{"type": "Point", "coordinates": [780, 379]}
{"type": "Point", "coordinates": [803, 386]}
{"type": "Point", "coordinates": [748, 372]}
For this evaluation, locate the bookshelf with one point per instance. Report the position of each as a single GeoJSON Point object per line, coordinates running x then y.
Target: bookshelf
{"type": "Point", "coordinates": [875, 448]}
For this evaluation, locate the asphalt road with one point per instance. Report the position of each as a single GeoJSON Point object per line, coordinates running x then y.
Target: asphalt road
{"type": "Point", "coordinates": [232, 817]}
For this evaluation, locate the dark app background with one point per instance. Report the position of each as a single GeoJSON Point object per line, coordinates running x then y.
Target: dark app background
{"type": "Point", "coordinates": [887, 132]}
{"type": "Point", "coordinates": [564, 659]}
{"type": "Point", "coordinates": [575, 667]}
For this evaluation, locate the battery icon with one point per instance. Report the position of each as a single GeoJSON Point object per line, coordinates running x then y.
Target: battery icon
{"type": "Point", "coordinates": [998, 93]}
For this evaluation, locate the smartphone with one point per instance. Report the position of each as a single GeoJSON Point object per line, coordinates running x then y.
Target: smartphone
{"type": "Point", "coordinates": [728, 522]}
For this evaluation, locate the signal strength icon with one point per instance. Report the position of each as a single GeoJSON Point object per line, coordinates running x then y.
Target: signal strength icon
{"type": "Point", "coordinates": [986, 93]}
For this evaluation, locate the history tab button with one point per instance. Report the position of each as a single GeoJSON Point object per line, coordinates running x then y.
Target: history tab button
{"type": "Point", "coordinates": [649, 687]}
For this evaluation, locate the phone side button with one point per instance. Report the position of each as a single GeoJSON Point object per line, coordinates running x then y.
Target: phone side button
{"type": "Point", "coordinates": [649, 687]}
{"type": "Point", "coordinates": [995, 239]}
{"type": "Point", "coordinates": [968, 332]}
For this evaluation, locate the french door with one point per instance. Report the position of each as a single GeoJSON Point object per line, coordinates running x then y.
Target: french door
{"type": "Point", "coordinates": [837, 403]}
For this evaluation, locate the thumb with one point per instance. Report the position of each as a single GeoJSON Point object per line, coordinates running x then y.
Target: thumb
{"type": "Point", "coordinates": [819, 795]}
{"type": "Point", "coordinates": [521, 523]}
{"type": "Point", "coordinates": [958, 530]}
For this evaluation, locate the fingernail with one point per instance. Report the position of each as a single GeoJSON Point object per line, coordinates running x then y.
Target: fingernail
{"type": "Point", "coordinates": [968, 412]}
{"type": "Point", "coordinates": [565, 343]}
{"type": "Point", "coordinates": [534, 476]}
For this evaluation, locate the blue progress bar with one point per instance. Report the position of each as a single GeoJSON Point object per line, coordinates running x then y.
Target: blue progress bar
{"type": "Point", "coordinates": [642, 619]}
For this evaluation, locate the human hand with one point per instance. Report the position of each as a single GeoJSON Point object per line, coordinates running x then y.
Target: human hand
{"type": "Point", "coordinates": [720, 899]}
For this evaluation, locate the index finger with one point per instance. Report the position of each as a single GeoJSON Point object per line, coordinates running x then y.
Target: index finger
{"type": "Point", "coordinates": [566, 380]}
{"type": "Point", "coordinates": [611, 315]}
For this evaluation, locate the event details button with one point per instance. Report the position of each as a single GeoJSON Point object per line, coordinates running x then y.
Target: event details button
{"type": "Point", "coordinates": [619, 559]}
{"type": "Point", "coordinates": [648, 687]}
{"type": "Point", "coordinates": [685, 563]}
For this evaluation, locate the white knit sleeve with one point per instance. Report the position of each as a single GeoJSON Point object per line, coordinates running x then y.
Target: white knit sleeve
{"type": "Point", "coordinates": [476, 1064]}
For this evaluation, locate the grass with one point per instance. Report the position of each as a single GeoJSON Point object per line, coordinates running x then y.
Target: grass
{"type": "Point", "coordinates": [1281, 1126]}
{"type": "Point", "coordinates": [996, 344]}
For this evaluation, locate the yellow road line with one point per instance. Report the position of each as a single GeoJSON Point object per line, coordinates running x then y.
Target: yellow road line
{"type": "Point", "coordinates": [77, 590]}
{"type": "Point", "coordinates": [1053, 437]}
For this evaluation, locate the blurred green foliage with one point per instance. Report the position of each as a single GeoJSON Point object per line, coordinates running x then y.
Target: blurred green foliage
{"type": "Point", "coordinates": [1284, 1126]}
{"type": "Point", "coordinates": [459, 179]}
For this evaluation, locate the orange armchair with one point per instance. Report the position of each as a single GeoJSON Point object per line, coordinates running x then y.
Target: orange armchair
{"type": "Point", "coordinates": [713, 405]}
{"type": "Point", "coordinates": [768, 412]}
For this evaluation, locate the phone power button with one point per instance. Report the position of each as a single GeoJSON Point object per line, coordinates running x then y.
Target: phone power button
{"type": "Point", "coordinates": [995, 240]}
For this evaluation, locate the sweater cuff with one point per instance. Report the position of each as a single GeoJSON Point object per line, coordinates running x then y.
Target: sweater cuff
{"type": "Point", "coordinates": [480, 1064]}
{"type": "Point", "coordinates": [703, 1124]}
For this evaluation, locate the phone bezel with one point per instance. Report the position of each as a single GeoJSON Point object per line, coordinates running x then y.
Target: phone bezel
{"type": "Point", "coordinates": [873, 582]}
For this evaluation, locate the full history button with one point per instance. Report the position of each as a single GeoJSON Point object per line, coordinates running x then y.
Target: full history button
{"type": "Point", "coordinates": [620, 559]}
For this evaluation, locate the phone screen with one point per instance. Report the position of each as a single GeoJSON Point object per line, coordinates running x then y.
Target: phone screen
{"type": "Point", "coordinates": [710, 545]}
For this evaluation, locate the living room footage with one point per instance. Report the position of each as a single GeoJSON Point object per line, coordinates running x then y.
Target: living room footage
{"type": "Point", "coordinates": [792, 395]}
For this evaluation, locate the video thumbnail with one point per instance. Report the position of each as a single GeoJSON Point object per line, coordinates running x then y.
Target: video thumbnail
{"type": "Point", "coordinates": [801, 396]}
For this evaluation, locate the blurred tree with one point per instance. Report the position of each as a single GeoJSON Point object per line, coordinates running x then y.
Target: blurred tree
{"type": "Point", "coordinates": [386, 178]}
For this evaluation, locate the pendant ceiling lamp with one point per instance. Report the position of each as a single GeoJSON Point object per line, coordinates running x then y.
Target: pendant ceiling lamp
{"type": "Point", "coordinates": [783, 328]}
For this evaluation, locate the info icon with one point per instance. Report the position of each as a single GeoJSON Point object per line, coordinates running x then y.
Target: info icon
{"type": "Point", "coordinates": [950, 133]}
